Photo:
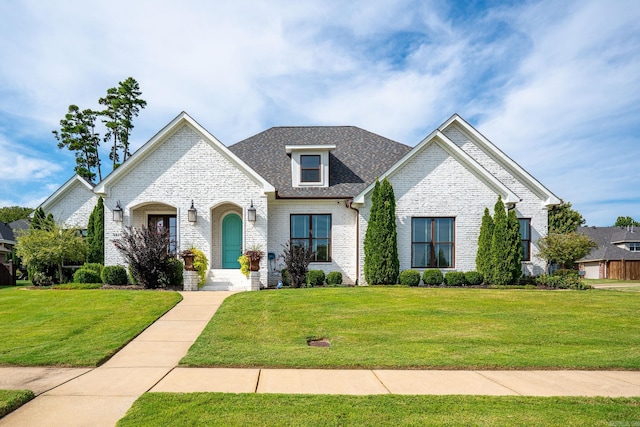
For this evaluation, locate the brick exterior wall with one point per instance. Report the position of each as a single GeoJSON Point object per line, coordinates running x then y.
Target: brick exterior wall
{"type": "Point", "coordinates": [74, 207]}
{"type": "Point", "coordinates": [343, 234]}
{"type": "Point", "coordinates": [182, 168]}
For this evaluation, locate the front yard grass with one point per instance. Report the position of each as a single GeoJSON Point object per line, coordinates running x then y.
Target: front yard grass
{"type": "Point", "coordinates": [10, 400]}
{"type": "Point", "coordinates": [217, 409]}
{"type": "Point", "coordinates": [378, 327]}
{"type": "Point", "coordinates": [74, 328]}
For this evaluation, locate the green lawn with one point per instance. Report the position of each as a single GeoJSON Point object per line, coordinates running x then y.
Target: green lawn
{"type": "Point", "coordinates": [74, 328]}
{"type": "Point", "coordinates": [217, 409]}
{"type": "Point", "coordinates": [11, 400]}
{"type": "Point", "coordinates": [378, 327]}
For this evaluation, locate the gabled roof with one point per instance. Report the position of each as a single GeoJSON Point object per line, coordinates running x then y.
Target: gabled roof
{"type": "Point", "coordinates": [73, 181]}
{"type": "Point", "coordinates": [6, 234]}
{"type": "Point", "coordinates": [358, 158]}
{"type": "Point", "coordinates": [438, 138]}
{"type": "Point", "coordinates": [180, 120]}
{"type": "Point", "coordinates": [605, 237]}
{"type": "Point", "coordinates": [505, 161]}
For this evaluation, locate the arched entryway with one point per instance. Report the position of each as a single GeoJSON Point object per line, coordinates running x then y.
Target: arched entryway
{"type": "Point", "coordinates": [231, 240]}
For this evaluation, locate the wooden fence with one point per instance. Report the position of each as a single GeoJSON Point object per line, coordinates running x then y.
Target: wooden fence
{"type": "Point", "coordinates": [624, 270]}
{"type": "Point", "coordinates": [7, 274]}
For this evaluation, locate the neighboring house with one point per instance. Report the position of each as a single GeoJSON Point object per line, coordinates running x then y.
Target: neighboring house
{"type": "Point", "coordinates": [7, 240]}
{"type": "Point", "coordinates": [311, 186]}
{"type": "Point", "coordinates": [617, 255]}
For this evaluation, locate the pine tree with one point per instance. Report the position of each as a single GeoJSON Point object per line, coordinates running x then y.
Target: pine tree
{"type": "Point", "coordinates": [390, 266]}
{"type": "Point", "coordinates": [515, 246]}
{"type": "Point", "coordinates": [501, 271]}
{"type": "Point", "coordinates": [38, 219]}
{"type": "Point", "coordinates": [371, 241]}
{"type": "Point", "coordinates": [483, 257]}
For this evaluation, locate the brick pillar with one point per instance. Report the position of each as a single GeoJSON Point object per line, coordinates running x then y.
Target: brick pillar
{"type": "Point", "coordinates": [254, 279]}
{"type": "Point", "coordinates": [190, 280]}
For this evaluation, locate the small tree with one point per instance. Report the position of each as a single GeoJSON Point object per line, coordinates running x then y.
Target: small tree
{"type": "Point", "coordinates": [297, 260]}
{"type": "Point", "coordinates": [564, 219]}
{"type": "Point", "coordinates": [565, 249]}
{"type": "Point", "coordinates": [50, 246]}
{"type": "Point", "coordinates": [146, 251]}
{"type": "Point", "coordinates": [483, 257]}
{"type": "Point", "coordinates": [625, 221]}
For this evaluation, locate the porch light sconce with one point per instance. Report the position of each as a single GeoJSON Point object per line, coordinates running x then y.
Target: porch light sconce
{"type": "Point", "coordinates": [193, 213]}
{"type": "Point", "coordinates": [251, 213]}
{"type": "Point", "coordinates": [117, 212]}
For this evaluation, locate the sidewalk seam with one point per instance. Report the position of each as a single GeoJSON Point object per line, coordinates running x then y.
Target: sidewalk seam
{"type": "Point", "coordinates": [258, 380]}
{"type": "Point", "coordinates": [380, 381]}
{"type": "Point", "coordinates": [497, 382]}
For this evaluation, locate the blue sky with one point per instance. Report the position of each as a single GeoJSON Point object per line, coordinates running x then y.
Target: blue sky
{"type": "Point", "coordinates": [555, 85]}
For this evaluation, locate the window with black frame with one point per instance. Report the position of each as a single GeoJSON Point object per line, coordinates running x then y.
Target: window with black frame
{"type": "Point", "coordinates": [312, 231]}
{"type": "Point", "coordinates": [432, 242]}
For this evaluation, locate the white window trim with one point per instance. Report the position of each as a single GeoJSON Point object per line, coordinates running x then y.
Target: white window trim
{"type": "Point", "coordinates": [309, 150]}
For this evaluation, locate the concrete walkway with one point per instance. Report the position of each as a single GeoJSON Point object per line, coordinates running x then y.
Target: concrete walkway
{"type": "Point", "coordinates": [101, 396]}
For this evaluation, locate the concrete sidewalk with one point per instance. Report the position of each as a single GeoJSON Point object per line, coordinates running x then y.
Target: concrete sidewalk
{"type": "Point", "coordinates": [101, 396]}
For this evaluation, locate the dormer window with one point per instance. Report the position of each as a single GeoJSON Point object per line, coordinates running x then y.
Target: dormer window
{"type": "Point", "coordinates": [309, 168]}
{"type": "Point", "coordinates": [310, 165]}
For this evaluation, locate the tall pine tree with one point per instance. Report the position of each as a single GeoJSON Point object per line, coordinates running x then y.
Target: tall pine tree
{"type": "Point", "coordinates": [483, 257]}
{"type": "Point", "coordinates": [501, 270]}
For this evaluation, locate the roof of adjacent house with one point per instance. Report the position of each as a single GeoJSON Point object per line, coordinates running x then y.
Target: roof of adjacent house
{"type": "Point", "coordinates": [605, 238]}
{"type": "Point", "coordinates": [6, 234]}
{"type": "Point", "coordinates": [358, 159]}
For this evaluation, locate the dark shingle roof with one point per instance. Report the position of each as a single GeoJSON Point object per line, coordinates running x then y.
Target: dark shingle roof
{"type": "Point", "coordinates": [359, 157]}
{"type": "Point", "coordinates": [606, 250]}
{"type": "Point", "coordinates": [6, 233]}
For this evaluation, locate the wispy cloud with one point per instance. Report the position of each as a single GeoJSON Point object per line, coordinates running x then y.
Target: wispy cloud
{"type": "Point", "coordinates": [555, 85]}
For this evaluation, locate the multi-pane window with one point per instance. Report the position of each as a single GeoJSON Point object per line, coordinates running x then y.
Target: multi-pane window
{"type": "Point", "coordinates": [310, 168]}
{"type": "Point", "coordinates": [634, 246]}
{"type": "Point", "coordinates": [312, 231]}
{"type": "Point", "coordinates": [525, 236]}
{"type": "Point", "coordinates": [432, 242]}
{"type": "Point", "coordinates": [163, 222]}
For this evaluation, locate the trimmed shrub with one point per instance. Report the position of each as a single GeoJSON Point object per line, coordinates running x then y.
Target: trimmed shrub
{"type": "Point", "coordinates": [565, 272]}
{"type": "Point", "coordinates": [114, 275]}
{"type": "Point", "coordinates": [315, 278]}
{"type": "Point", "coordinates": [285, 277]}
{"type": "Point", "coordinates": [95, 266]}
{"type": "Point", "coordinates": [86, 275]}
{"type": "Point", "coordinates": [40, 278]}
{"type": "Point", "coordinates": [473, 278]}
{"type": "Point", "coordinates": [454, 278]}
{"type": "Point", "coordinates": [334, 278]}
{"type": "Point", "coordinates": [410, 277]}
{"type": "Point", "coordinates": [174, 275]}
{"type": "Point", "coordinates": [432, 277]}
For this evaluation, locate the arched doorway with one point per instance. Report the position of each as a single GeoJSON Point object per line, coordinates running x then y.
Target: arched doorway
{"type": "Point", "coordinates": [231, 240]}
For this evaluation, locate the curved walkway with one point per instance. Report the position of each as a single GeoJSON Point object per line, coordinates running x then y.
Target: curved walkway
{"type": "Point", "coordinates": [101, 396]}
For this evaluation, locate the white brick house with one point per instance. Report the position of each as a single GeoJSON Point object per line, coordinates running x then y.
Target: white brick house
{"type": "Point", "coordinates": [312, 185]}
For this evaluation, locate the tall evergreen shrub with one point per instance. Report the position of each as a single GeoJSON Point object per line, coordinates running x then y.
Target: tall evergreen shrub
{"type": "Point", "coordinates": [95, 234]}
{"type": "Point", "coordinates": [382, 265]}
{"type": "Point", "coordinates": [501, 269]}
{"type": "Point", "coordinates": [483, 257]}
{"type": "Point", "coordinates": [515, 246]}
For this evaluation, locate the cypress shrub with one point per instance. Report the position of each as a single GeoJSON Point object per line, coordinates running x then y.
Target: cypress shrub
{"type": "Point", "coordinates": [114, 275]}
{"type": "Point", "coordinates": [455, 278]}
{"type": "Point", "coordinates": [90, 236]}
{"type": "Point", "coordinates": [372, 255]}
{"type": "Point", "coordinates": [410, 277]}
{"type": "Point", "coordinates": [315, 278]}
{"type": "Point", "coordinates": [515, 246]}
{"type": "Point", "coordinates": [483, 257]}
{"type": "Point", "coordinates": [86, 275]}
{"type": "Point", "coordinates": [97, 249]}
{"type": "Point", "coordinates": [381, 264]}
{"type": "Point", "coordinates": [501, 269]}
{"type": "Point", "coordinates": [334, 278]}
{"type": "Point", "coordinates": [432, 277]}
{"type": "Point", "coordinates": [473, 278]}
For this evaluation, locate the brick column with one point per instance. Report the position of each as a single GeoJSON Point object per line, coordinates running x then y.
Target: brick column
{"type": "Point", "coordinates": [190, 280]}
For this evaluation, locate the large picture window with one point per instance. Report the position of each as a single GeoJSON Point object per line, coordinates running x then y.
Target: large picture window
{"type": "Point", "coordinates": [310, 168]}
{"type": "Point", "coordinates": [432, 242]}
{"type": "Point", "coordinates": [312, 231]}
{"type": "Point", "coordinates": [525, 236]}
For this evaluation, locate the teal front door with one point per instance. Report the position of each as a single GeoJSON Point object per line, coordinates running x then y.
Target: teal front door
{"type": "Point", "coordinates": [231, 241]}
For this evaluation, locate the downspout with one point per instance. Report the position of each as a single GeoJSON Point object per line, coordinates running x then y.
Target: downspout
{"type": "Point", "coordinates": [349, 204]}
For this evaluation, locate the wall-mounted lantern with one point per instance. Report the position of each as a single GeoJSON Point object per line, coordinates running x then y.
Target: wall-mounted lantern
{"type": "Point", "coordinates": [192, 213]}
{"type": "Point", "coordinates": [117, 212]}
{"type": "Point", "coordinates": [251, 213]}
